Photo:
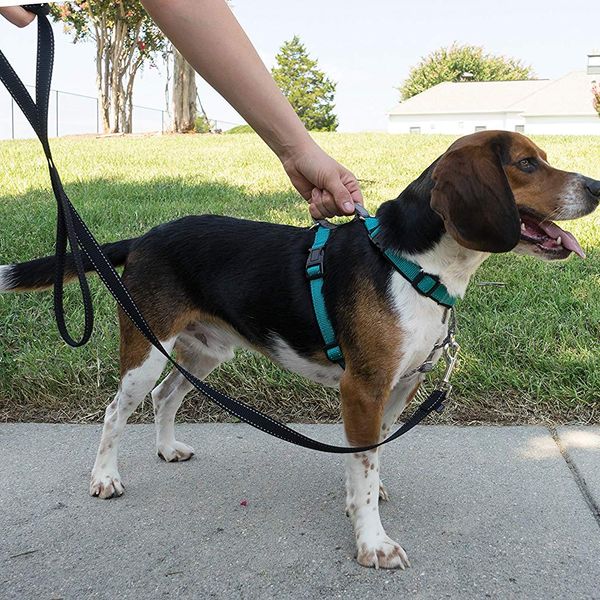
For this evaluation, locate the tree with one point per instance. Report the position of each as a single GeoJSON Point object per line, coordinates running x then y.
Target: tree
{"type": "Point", "coordinates": [185, 93]}
{"type": "Point", "coordinates": [462, 63]}
{"type": "Point", "coordinates": [306, 87]}
{"type": "Point", "coordinates": [126, 38]}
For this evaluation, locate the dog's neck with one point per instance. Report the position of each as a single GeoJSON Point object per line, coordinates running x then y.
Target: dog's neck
{"type": "Point", "coordinates": [411, 227]}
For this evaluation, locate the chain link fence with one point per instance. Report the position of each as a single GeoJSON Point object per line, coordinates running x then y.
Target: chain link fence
{"type": "Point", "coordinates": [71, 114]}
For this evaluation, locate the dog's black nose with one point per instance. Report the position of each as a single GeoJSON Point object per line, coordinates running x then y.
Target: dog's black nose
{"type": "Point", "coordinates": [593, 186]}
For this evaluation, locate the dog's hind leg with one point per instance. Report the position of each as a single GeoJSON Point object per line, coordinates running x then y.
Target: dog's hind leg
{"type": "Point", "coordinates": [168, 396]}
{"type": "Point", "coordinates": [141, 366]}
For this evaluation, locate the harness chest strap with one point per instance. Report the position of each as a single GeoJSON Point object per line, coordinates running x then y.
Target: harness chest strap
{"type": "Point", "coordinates": [426, 284]}
{"type": "Point", "coordinates": [314, 272]}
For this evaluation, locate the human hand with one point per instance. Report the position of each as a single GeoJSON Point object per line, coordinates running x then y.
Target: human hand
{"type": "Point", "coordinates": [17, 15]}
{"type": "Point", "coordinates": [329, 188]}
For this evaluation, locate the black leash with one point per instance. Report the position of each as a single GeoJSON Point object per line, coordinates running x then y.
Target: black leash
{"type": "Point", "coordinates": [71, 228]}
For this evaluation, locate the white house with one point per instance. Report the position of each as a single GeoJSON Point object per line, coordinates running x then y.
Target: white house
{"type": "Point", "coordinates": [560, 106]}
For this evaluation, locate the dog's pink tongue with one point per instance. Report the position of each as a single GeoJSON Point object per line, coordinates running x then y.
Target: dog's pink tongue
{"type": "Point", "coordinates": [569, 241]}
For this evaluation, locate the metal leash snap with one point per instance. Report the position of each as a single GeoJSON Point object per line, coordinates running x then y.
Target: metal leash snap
{"type": "Point", "coordinates": [360, 213]}
{"type": "Point", "coordinates": [450, 352]}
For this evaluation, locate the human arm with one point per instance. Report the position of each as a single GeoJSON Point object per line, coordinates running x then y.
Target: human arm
{"type": "Point", "coordinates": [17, 15]}
{"type": "Point", "coordinates": [212, 41]}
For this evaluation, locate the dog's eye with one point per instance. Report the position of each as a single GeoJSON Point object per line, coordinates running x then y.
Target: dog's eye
{"type": "Point", "coordinates": [527, 165]}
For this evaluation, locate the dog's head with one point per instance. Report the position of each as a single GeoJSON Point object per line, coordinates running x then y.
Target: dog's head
{"type": "Point", "coordinates": [496, 192]}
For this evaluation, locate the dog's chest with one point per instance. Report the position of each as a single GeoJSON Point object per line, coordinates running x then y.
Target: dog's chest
{"type": "Point", "coordinates": [422, 321]}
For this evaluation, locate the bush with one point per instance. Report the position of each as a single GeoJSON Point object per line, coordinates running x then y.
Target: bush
{"type": "Point", "coordinates": [240, 129]}
{"type": "Point", "coordinates": [202, 125]}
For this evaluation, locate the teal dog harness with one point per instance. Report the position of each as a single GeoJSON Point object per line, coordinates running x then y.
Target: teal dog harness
{"type": "Point", "coordinates": [426, 284]}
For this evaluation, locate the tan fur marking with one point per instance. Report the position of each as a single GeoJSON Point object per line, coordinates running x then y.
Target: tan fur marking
{"type": "Point", "coordinates": [372, 349]}
{"type": "Point", "coordinates": [540, 190]}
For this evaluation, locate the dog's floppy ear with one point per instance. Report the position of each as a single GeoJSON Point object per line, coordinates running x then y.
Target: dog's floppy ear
{"type": "Point", "coordinates": [473, 197]}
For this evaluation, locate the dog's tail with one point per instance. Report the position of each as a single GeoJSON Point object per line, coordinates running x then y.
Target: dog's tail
{"type": "Point", "coordinates": [38, 274]}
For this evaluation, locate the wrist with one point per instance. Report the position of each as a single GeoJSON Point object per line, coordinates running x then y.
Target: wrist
{"type": "Point", "coordinates": [289, 150]}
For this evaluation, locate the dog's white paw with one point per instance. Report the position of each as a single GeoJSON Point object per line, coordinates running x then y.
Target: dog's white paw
{"type": "Point", "coordinates": [106, 485]}
{"type": "Point", "coordinates": [384, 554]}
{"type": "Point", "coordinates": [175, 452]}
{"type": "Point", "coordinates": [383, 493]}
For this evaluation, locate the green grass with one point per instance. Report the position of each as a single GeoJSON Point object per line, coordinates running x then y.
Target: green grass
{"type": "Point", "coordinates": [531, 349]}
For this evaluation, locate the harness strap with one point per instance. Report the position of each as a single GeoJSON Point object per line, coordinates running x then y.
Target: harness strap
{"type": "Point", "coordinates": [314, 272]}
{"type": "Point", "coordinates": [71, 227]}
{"type": "Point", "coordinates": [426, 284]}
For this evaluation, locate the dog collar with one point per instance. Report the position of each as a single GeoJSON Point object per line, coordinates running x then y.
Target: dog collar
{"type": "Point", "coordinates": [426, 284]}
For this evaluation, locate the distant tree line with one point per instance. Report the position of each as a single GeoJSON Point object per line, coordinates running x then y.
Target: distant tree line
{"type": "Point", "coordinates": [462, 63]}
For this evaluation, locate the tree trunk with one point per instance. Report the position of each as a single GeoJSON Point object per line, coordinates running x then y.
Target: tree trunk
{"type": "Point", "coordinates": [184, 95]}
{"type": "Point", "coordinates": [115, 73]}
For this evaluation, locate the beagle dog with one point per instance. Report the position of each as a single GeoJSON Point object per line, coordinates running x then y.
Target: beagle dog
{"type": "Point", "coordinates": [208, 284]}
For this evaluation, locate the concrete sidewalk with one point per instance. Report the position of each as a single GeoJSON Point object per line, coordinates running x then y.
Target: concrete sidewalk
{"type": "Point", "coordinates": [481, 511]}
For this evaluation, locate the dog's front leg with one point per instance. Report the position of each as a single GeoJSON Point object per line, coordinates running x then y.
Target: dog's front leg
{"type": "Point", "coordinates": [362, 406]}
{"type": "Point", "coordinates": [402, 394]}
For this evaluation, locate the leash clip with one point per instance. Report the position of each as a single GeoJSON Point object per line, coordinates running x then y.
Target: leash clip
{"type": "Point", "coordinates": [451, 350]}
{"type": "Point", "coordinates": [360, 212]}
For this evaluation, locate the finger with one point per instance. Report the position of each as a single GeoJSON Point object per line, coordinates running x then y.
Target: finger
{"type": "Point", "coordinates": [329, 204]}
{"type": "Point", "coordinates": [353, 187]}
{"type": "Point", "coordinates": [341, 197]}
{"type": "Point", "coordinates": [318, 212]}
{"type": "Point", "coordinates": [316, 196]}
{"type": "Point", "coordinates": [323, 208]}
{"type": "Point", "coordinates": [357, 196]}
{"type": "Point", "coordinates": [314, 212]}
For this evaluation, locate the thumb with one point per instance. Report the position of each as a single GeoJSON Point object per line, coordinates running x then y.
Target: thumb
{"type": "Point", "coordinates": [341, 195]}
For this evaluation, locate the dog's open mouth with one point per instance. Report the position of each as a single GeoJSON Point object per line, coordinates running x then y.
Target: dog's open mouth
{"type": "Point", "coordinates": [548, 237]}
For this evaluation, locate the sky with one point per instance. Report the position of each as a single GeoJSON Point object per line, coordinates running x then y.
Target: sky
{"type": "Point", "coordinates": [368, 48]}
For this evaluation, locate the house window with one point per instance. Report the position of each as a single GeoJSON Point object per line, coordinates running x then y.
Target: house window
{"type": "Point", "coordinates": [520, 128]}
{"type": "Point", "coordinates": [415, 130]}
{"type": "Point", "coordinates": [480, 127]}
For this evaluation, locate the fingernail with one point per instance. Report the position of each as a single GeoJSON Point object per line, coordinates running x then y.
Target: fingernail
{"type": "Point", "coordinates": [348, 206]}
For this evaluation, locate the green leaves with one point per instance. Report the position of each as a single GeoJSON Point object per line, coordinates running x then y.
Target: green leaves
{"type": "Point", "coordinates": [306, 87]}
{"type": "Point", "coordinates": [462, 63]}
{"type": "Point", "coordinates": [126, 38]}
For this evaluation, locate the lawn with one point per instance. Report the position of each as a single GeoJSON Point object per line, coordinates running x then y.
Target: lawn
{"type": "Point", "coordinates": [531, 347]}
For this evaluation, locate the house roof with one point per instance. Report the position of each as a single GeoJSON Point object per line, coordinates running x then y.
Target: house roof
{"type": "Point", "coordinates": [569, 95]}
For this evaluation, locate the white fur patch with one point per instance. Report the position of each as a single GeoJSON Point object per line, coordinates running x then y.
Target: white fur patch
{"type": "Point", "coordinates": [452, 263]}
{"type": "Point", "coordinates": [420, 320]}
{"type": "Point", "coordinates": [211, 340]}
{"type": "Point", "coordinates": [135, 384]}
{"type": "Point", "coordinates": [285, 355]}
{"type": "Point", "coordinates": [6, 279]}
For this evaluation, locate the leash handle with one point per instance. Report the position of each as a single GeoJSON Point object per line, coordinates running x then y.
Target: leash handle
{"type": "Point", "coordinates": [72, 229]}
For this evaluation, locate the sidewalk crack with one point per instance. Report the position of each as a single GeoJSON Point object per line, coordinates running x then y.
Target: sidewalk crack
{"type": "Point", "coordinates": [577, 476]}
